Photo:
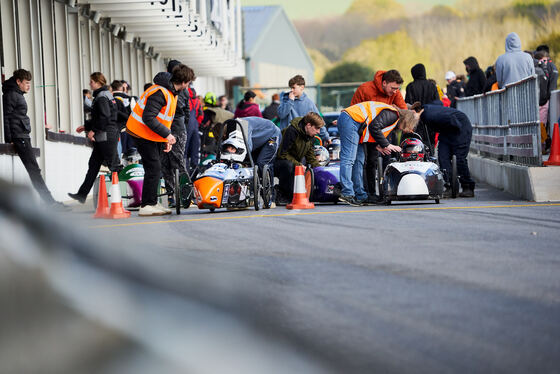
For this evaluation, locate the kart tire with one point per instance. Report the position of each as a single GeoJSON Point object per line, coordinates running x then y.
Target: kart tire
{"type": "Point", "coordinates": [177, 192]}
{"type": "Point", "coordinates": [257, 195]}
{"type": "Point", "coordinates": [267, 188]}
{"type": "Point", "coordinates": [186, 191]}
{"type": "Point", "coordinates": [454, 178]}
{"type": "Point", "coordinates": [309, 182]}
{"type": "Point", "coordinates": [379, 176]}
{"type": "Point", "coordinates": [437, 201]}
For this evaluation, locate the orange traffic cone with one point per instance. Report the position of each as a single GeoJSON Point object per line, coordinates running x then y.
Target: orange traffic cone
{"type": "Point", "coordinates": [554, 158]}
{"type": "Point", "coordinates": [117, 211]}
{"type": "Point", "coordinates": [102, 203]}
{"type": "Point", "coordinates": [300, 200]}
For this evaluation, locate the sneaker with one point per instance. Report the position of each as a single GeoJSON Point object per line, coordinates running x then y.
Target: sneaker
{"type": "Point", "coordinates": [447, 193]}
{"type": "Point", "coordinates": [373, 200]}
{"type": "Point", "coordinates": [163, 209]}
{"type": "Point", "coordinates": [467, 192]}
{"type": "Point", "coordinates": [81, 199]}
{"type": "Point", "coordinates": [150, 210]}
{"type": "Point", "coordinates": [350, 200]}
{"type": "Point", "coordinates": [281, 200]}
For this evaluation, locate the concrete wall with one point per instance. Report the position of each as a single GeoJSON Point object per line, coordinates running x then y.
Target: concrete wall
{"type": "Point", "coordinates": [538, 184]}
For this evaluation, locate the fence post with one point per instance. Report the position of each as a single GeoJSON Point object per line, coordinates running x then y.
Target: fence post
{"type": "Point", "coordinates": [319, 97]}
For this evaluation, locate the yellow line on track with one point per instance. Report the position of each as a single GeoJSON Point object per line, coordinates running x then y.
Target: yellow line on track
{"type": "Point", "coordinates": [308, 213]}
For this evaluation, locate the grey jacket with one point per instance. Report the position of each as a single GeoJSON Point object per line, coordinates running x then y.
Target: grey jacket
{"type": "Point", "coordinates": [515, 64]}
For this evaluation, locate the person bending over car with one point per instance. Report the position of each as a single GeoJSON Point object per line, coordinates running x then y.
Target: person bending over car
{"type": "Point", "coordinates": [359, 124]}
{"type": "Point", "coordinates": [296, 145]}
{"type": "Point", "coordinates": [455, 132]}
{"type": "Point", "coordinates": [263, 139]}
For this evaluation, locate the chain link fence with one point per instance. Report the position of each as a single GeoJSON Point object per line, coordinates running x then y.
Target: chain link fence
{"type": "Point", "coordinates": [506, 124]}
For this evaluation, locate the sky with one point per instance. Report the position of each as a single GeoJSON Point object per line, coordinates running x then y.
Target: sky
{"type": "Point", "coordinates": [305, 9]}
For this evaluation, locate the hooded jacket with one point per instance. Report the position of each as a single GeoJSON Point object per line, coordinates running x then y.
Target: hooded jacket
{"type": "Point", "coordinates": [16, 121]}
{"type": "Point", "coordinates": [421, 89]}
{"type": "Point", "coordinates": [455, 89]}
{"type": "Point", "coordinates": [296, 144]}
{"type": "Point", "coordinates": [247, 109]}
{"type": "Point", "coordinates": [454, 126]}
{"type": "Point", "coordinates": [260, 131]}
{"type": "Point", "coordinates": [157, 101]}
{"type": "Point", "coordinates": [477, 78]}
{"type": "Point", "coordinates": [373, 91]}
{"type": "Point", "coordinates": [515, 64]}
{"type": "Point", "coordinates": [103, 114]}
{"type": "Point", "coordinates": [299, 107]}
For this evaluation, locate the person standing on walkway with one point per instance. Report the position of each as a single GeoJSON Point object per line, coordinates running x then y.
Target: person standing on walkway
{"type": "Point", "coordinates": [17, 128]}
{"type": "Point", "coordinates": [384, 88]}
{"type": "Point", "coordinates": [477, 78]}
{"type": "Point", "coordinates": [296, 103]}
{"type": "Point", "coordinates": [102, 130]}
{"type": "Point", "coordinates": [150, 125]}
{"type": "Point", "coordinates": [175, 159]}
{"type": "Point", "coordinates": [421, 89]}
{"type": "Point", "coordinates": [247, 107]}
{"type": "Point", "coordinates": [515, 64]}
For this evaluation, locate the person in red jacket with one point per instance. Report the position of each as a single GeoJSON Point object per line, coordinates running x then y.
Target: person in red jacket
{"type": "Point", "coordinates": [247, 107]}
{"type": "Point", "coordinates": [385, 88]}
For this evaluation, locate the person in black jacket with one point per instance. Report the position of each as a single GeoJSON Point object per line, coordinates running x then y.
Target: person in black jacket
{"type": "Point", "coordinates": [175, 158]}
{"type": "Point", "coordinates": [271, 111]}
{"type": "Point", "coordinates": [420, 90]}
{"type": "Point", "coordinates": [455, 133]}
{"type": "Point", "coordinates": [124, 109]}
{"type": "Point", "coordinates": [455, 88]}
{"type": "Point", "coordinates": [17, 127]}
{"type": "Point", "coordinates": [477, 79]}
{"type": "Point", "coordinates": [103, 131]}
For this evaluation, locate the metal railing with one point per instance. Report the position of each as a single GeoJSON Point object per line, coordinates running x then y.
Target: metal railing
{"type": "Point", "coordinates": [329, 97]}
{"type": "Point", "coordinates": [506, 124]}
{"type": "Point", "coordinates": [553, 110]}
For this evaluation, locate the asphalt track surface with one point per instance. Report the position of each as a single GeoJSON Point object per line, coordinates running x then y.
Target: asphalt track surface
{"type": "Point", "coordinates": [469, 285]}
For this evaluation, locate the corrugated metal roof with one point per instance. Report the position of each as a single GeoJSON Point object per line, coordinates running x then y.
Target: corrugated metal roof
{"type": "Point", "coordinates": [255, 20]}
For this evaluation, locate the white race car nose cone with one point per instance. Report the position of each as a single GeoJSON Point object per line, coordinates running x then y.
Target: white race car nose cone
{"type": "Point", "coordinates": [412, 184]}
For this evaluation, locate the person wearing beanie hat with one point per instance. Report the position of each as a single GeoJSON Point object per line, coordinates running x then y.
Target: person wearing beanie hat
{"type": "Point", "coordinates": [455, 88]}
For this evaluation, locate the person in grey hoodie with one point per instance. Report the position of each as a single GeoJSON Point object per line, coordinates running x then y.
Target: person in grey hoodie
{"type": "Point", "coordinates": [515, 64]}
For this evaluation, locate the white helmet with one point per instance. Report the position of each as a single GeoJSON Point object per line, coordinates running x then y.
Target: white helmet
{"type": "Point", "coordinates": [322, 155]}
{"type": "Point", "coordinates": [240, 151]}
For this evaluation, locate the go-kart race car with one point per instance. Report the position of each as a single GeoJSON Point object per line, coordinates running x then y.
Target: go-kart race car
{"type": "Point", "coordinates": [415, 176]}
{"type": "Point", "coordinates": [233, 181]}
{"type": "Point", "coordinates": [323, 182]}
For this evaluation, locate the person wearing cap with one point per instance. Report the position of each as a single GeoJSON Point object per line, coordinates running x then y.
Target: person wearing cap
{"type": "Point", "coordinates": [455, 88]}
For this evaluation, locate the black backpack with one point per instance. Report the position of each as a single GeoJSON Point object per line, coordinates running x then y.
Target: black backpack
{"type": "Point", "coordinates": [543, 83]}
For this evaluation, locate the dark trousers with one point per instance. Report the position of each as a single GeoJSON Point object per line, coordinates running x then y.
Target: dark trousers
{"type": "Point", "coordinates": [151, 159]}
{"type": "Point", "coordinates": [25, 152]}
{"type": "Point", "coordinates": [446, 152]}
{"type": "Point", "coordinates": [102, 152]}
{"type": "Point", "coordinates": [192, 147]}
{"type": "Point", "coordinates": [266, 155]}
{"type": "Point", "coordinates": [285, 171]}
{"type": "Point", "coordinates": [127, 141]}
{"type": "Point", "coordinates": [173, 160]}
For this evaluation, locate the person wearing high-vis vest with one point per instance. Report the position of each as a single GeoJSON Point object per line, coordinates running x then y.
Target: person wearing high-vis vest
{"type": "Point", "coordinates": [372, 122]}
{"type": "Point", "coordinates": [150, 126]}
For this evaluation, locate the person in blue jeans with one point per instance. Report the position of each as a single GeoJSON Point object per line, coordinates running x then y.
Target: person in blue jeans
{"type": "Point", "coordinates": [361, 123]}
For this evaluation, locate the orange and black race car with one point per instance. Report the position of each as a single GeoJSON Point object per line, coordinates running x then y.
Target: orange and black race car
{"type": "Point", "coordinates": [234, 181]}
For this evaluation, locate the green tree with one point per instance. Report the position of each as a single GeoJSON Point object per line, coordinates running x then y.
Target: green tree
{"type": "Point", "coordinates": [348, 72]}
{"type": "Point", "coordinates": [377, 10]}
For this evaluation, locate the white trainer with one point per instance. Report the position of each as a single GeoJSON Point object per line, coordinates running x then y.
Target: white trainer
{"type": "Point", "coordinates": [163, 209]}
{"type": "Point", "coordinates": [150, 210]}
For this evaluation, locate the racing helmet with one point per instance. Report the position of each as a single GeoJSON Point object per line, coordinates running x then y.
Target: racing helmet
{"type": "Point", "coordinates": [131, 156]}
{"type": "Point", "coordinates": [322, 155]}
{"type": "Point", "coordinates": [334, 149]}
{"type": "Point", "coordinates": [240, 151]}
{"type": "Point", "coordinates": [412, 149]}
{"type": "Point", "coordinates": [210, 99]}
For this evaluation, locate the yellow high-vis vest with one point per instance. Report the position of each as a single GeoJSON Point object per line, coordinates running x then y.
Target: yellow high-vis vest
{"type": "Point", "coordinates": [365, 113]}
{"type": "Point", "coordinates": [136, 125]}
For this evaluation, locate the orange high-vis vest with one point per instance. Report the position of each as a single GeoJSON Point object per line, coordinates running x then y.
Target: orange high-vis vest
{"type": "Point", "coordinates": [365, 113]}
{"type": "Point", "coordinates": [136, 125]}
